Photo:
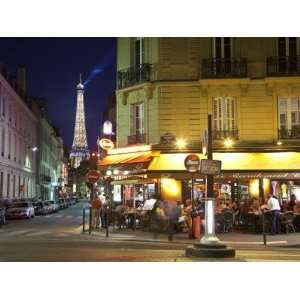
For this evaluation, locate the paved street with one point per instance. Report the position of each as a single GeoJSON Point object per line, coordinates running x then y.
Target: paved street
{"type": "Point", "coordinates": [58, 237]}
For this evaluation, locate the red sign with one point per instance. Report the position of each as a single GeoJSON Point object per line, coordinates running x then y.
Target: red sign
{"type": "Point", "coordinates": [192, 163]}
{"type": "Point", "coordinates": [92, 176]}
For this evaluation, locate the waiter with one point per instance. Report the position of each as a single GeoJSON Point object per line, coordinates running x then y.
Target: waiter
{"type": "Point", "coordinates": [274, 206]}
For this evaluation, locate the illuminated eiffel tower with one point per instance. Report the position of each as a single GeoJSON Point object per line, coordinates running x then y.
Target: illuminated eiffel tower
{"type": "Point", "coordinates": [80, 147]}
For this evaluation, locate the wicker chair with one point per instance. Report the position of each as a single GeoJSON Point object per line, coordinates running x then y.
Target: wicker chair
{"type": "Point", "coordinates": [287, 221]}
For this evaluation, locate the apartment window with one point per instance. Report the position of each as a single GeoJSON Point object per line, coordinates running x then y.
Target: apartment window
{"type": "Point", "coordinates": [3, 142]}
{"type": "Point", "coordinates": [3, 106]}
{"type": "Point", "coordinates": [8, 185]}
{"type": "Point", "coordinates": [14, 186]}
{"type": "Point", "coordinates": [288, 114]}
{"type": "Point", "coordinates": [287, 46]}
{"type": "Point", "coordinates": [10, 113]}
{"type": "Point", "coordinates": [224, 114]}
{"type": "Point", "coordinates": [222, 47]}
{"type": "Point", "coordinates": [1, 184]}
{"type": "Point", "coordinates": [16, 148]}
{"type": "Point", "coordinates": [19, 184]}
{"type": "Point", "coordinates": [139, 51]}
{"type": "Point", "coordinates": [137, 119]}
{"type": "Point", "coordinates": [9, 145]}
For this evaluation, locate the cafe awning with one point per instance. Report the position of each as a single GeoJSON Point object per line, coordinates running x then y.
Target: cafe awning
{"type": "Point", "coordinates": [156, 162]}
{"type": "Point", "coordinates": [238, 161]}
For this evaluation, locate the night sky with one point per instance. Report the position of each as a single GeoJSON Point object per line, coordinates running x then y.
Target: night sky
{"type": "Point", "coordinates": [53, 66]}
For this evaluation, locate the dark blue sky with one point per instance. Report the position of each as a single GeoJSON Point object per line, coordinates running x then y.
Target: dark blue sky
{"type": "Point", "coordinates": [53, 66]}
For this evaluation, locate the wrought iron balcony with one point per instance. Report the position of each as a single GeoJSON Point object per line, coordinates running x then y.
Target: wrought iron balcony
{"type": "Point", "coordinates": [137, 139]}
{"type": "Point", "coordinates": [223, 134]}
{"type": "Point", "coordinates": [134, 75]}
{"type": "Point", "coordinates": [283, 66]}
{"type": "Point", "coordinates": [224, 68]}
{"type": "Point", "coordinates": [293, 133]}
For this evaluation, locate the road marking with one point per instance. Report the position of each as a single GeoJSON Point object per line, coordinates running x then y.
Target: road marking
{"type": "Point", "coordinates": [14, 233]}
{"type": "Point", "coordinates": [254, 243]}
{"type": "Point", "coordinates": [38, 233]}
{"type": "Point", "coordinates": [69, 216]}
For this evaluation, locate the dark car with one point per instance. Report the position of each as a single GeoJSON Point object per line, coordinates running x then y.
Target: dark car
{"type": "Point", "coordinates": [62, 203]}
{"type": "Point", "coordinates": [40, 208]}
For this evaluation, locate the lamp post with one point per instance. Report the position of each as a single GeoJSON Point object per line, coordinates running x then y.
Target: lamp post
{"type": "Point", "coordinates": [209, 245]}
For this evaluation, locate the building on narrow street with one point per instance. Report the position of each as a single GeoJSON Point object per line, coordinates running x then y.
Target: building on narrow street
{"type": "Point", "coordinates": [51, 163]}
{"type": "Point", "coordinates": [167, 87]}
{"type": "Point", "coordinates": [18, 141]}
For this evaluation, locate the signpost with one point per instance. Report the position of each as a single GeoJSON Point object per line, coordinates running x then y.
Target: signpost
{"type": "Point", "coordinates": [192, 164]}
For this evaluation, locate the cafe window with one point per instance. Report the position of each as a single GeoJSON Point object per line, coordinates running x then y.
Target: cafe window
{"type": "Point", "coordinates": [137, 119]}
{"type": "Point", "coordinates": [139, 51]}
{"type": "Point", "coordinates": [288, 113]}
{"type": "Point", "coordinates": [224, 113]}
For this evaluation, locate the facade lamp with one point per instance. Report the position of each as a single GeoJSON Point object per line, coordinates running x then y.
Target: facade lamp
{"type": "Point", "coordinates": [108, 172]}
{"type": "Point", "coordinates": [34, 149]}
{"type": "Point", "coordinates": [228, 142]}
{"type": "Point", "coordinates": [116, 172]}
{"type": "Point", "coordinates": [180, 143]}
{"type": "Point", "coordinates": [279, 143]}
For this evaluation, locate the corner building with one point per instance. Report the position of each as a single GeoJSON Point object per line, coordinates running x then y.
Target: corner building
{"type": "Point", "coordinates": [166, 87]}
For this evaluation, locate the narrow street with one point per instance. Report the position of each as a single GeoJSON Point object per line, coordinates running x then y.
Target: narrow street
{"type": "Point", "coordinates": [58, 237]}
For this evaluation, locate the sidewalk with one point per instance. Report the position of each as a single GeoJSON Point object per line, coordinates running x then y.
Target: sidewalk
{"type": "Point", "coordinates": [235, 239]}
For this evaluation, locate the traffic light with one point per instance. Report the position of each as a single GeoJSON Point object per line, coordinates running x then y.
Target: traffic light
{"type": "Point", "coordinates": [93, 161]}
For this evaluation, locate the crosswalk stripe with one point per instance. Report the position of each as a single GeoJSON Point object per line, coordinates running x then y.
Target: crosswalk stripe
{"type": "Point", "coordinates": [14, 233]}
{"type": "Point", "coordinates": [38, 233]}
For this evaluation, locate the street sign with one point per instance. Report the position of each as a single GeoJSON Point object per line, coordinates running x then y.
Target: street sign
{"type": "Point", "coordinates": [92, 176]}
{"type": "Point", "coordinates": [106, 144]}
{"type": "Point", "coordinates": [205, 141]}
{"type": "Point", "coordinates": [210, 167]}
{"type": "Point", "coordinates": [192, 163]}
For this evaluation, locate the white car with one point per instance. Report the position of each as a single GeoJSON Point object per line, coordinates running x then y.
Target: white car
{"type": "Point", "coordinates": [20, 210]}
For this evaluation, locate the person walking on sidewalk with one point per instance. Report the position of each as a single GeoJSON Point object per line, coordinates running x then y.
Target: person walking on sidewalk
{"type": "Point", "coordinates": [274, 206]}
{"type": "Point", "coordinates": [96, 209]}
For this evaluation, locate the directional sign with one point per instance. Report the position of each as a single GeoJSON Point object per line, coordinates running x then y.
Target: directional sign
{"type": "Point", "coordinates": [210, 167]}
{"type": "Point", "coordinates": [92, 176]}
{"type": "Point", "coordinates": [192, 163]}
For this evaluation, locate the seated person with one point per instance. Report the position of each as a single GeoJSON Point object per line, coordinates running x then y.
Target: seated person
{"type": "Point", "coordinates": [284, 206]}
{"type": "Point", "coordinates": [255, 207]}
{"type": "Point", "coordinates": [296, 209]}
{"type": "Point", "coordinates": [292, 203]}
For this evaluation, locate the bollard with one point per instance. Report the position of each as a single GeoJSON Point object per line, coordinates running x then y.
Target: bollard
{"type": "Point", "coordinates": [90, 221]}
{"type": "Point", "coordinates": [264, 228]}
{"type": "Point", "coordinates": [83, 220]}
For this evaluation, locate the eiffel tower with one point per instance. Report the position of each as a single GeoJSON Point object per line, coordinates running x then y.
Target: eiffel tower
{"type": "Point", "coordinates": [79, 150]}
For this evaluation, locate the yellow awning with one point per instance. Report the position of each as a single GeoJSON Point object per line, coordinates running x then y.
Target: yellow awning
{"type": "Point", "coordinates": [169, 162]}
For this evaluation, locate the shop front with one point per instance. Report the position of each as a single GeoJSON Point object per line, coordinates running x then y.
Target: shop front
{"type": "Point", "coordinates": [139, 174]}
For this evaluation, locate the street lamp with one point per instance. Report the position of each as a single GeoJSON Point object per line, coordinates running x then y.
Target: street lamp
{"type": "Point", "coordinates": [279, 143]}
{"type": "Point", "coordinates": [228, 142]}
{"type": "Point", "coordinates": [34, 149]}
{"type": "Point", "coordinates": [180, 143]}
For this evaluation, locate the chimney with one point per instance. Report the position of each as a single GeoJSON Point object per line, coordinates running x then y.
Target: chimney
{"type": "Point", "coordinates": [21, 81]}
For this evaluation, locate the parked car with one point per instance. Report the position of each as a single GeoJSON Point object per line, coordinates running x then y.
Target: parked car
{"type": "Point", "coordinates": [54, 206]}
{"type": "Point", "coordinates": [2, 216]}
{"type": "Point", "coordinates": [62, 203]}
{"type": "Point", "coordinates": [40, 208]}
{"type": "Point", "coordinates": [20, 210]}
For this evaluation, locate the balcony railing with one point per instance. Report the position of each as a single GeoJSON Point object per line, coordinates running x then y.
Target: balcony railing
{"type": "Point", "coordinates": [223, 134]}
{"type": "Point", "coordinates": [224, 68]}
{"type": "Point", "coordinates": [293, 133]}
{"type": "Point", "coordinates": [137, 139]}
{"type": "Point", "coordinates": [283, 66]}
{"type": "Point", "coordinates": [134, 75]}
